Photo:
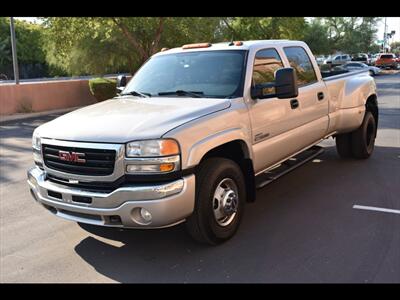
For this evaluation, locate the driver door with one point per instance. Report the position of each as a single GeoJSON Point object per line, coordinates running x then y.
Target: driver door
{"type": "Point", "coordinates": [271, 118]}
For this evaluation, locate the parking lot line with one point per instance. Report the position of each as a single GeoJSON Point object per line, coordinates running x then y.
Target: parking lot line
{"type": "Point", "coordinates": [394, 211]}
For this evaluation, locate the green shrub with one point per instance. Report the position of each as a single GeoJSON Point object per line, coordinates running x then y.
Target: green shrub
{"type": "Point", "coordinates": [103, 88]}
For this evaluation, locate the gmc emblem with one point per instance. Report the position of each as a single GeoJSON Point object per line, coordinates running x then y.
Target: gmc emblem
{"type": "Point", "coordinates": [71, 156]}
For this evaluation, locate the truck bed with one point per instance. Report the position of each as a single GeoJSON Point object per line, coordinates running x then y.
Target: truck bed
{"type": "Point", "coordinates": [331, 75]}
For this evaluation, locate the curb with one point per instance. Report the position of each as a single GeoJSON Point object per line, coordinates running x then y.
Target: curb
{"type": "Point", "coordinates": [17, 117]}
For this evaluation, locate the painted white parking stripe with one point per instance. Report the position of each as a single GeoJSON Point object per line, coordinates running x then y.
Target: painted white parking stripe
{"type": "Point", "coordinates": [394, 211]}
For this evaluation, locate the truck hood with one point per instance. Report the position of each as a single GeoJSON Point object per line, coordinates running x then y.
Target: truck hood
{"type": "Point", "coordinates": [128, 118]}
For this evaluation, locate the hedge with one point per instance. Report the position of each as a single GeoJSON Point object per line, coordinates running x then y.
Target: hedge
{"type": "Point", "coordinates": [103, 88]}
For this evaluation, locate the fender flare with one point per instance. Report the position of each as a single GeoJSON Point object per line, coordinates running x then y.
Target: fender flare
{"type": "Point", "coordinates": [197, 151]}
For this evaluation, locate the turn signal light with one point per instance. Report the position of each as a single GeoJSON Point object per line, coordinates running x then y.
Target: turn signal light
{"type": "Point", "coordinates": [167, 167]}
{"type": "Point", "coordinates": [169, 147]}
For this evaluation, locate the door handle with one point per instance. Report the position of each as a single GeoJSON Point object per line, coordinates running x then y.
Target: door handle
{"type": "Point", "coordinates": [294, 103]}
{"type": "Point", "coordinates": [320, 96]}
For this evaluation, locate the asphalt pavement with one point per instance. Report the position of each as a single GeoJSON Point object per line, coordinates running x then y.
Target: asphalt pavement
{"type": "Point", "coordinates": [302, 228]}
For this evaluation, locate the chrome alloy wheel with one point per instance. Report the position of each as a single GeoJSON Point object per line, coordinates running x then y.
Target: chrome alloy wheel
{"type": "Point", "coordinates": [225, 202]}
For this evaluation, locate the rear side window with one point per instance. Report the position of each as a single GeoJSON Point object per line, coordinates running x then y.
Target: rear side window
{"type": "Point", "coordinates": [266, 62]}
{"type": "Point", "coordinates": [300, 61]}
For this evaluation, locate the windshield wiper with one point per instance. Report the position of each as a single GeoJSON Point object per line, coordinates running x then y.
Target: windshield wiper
{"type": "Point", "coordinates": [182, 93]}
{"type": "Point", "coordinates": [135, 93]}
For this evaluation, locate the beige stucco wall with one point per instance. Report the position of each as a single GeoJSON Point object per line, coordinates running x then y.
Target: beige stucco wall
{"type": "Point", "coordinates": [44, 95]}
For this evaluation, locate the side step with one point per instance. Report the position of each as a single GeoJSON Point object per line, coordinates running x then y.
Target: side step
{"type": "Point", "coordinates": [287, 166]}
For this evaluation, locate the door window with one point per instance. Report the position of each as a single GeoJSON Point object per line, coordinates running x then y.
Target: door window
{"type": "Point", "coordinates": [300, 61]}
{"type": "Point", "coordinates": [266, 62]}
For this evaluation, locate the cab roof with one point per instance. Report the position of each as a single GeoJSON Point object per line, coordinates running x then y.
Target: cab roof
{"type": "Point", "coordinates": [246, 45]}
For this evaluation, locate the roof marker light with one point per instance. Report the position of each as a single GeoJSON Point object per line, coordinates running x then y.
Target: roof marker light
{"type": "Point", "coordinates": [236, 43]}
{"type": "Point", "coordinates": [198, 45]}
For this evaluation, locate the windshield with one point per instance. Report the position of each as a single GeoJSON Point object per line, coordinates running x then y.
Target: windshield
{"type": "Point", "coordinates": [217, 74]}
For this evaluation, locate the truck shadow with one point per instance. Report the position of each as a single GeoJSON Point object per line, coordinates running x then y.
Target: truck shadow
{"type": "Point", "coordinates": [286, 236]}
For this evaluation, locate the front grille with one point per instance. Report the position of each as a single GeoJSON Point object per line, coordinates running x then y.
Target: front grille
{"type": "Point", "coordinates": [98, 162]}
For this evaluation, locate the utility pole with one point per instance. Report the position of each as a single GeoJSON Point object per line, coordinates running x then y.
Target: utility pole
{"type": "Point", "coordinates": [384, 38]}
{"type": "Point", "coordinates": [14, 51]}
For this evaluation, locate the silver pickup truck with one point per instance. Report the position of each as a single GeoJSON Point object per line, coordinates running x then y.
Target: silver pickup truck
{"type": "Point", "coordinates": [193, 134]}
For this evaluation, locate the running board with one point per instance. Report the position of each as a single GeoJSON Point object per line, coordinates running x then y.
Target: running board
{"type": "Point", "coordinates": [288, 165]}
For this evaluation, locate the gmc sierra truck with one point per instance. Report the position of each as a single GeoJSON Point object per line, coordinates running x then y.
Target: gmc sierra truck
{"type": "Point", "coordinates": [195, 132]}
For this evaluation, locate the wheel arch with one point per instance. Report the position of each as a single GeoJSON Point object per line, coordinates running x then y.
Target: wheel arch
{"type": "Point", "coordinates": [371, 105]}
{"type": "Point", "coordinates": [237, 151]}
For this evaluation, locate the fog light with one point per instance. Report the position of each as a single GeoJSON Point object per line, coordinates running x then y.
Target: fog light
{"type": "Point", "coordinates": [145, 215]}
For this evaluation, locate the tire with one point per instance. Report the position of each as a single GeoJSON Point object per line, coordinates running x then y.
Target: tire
{"type": "Point", "coordinates": [363, 139]}
{"type": "Point", "coordinates": [360, 142]}
{"type": "Point", "coordinates": [203, 225]}
{"type": "Point", "coordinates": [343, 145]}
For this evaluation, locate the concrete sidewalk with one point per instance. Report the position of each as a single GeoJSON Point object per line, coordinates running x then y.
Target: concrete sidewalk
{"type": "Point", "coordinates": [15, 117]}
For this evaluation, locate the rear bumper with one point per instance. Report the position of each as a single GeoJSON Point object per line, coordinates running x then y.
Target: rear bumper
{"type": "Point", "coordinates": [384, 65]}
{"type": "Point", "coordinates": [168, 203]}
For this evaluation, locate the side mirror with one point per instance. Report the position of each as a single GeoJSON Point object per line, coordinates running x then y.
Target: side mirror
{"type": "Point", "coordinates": [121, 82]}
{"type": "Point", "coordinates": [285, 85]}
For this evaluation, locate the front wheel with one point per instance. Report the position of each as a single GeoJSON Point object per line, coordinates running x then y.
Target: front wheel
{"type": "Point", "coordinates": [219, 203]}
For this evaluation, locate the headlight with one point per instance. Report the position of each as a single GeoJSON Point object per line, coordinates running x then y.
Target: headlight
{"type": "Point", "coordinates": [37, 147]}
{"type": "Point", "coordinates": [152, 148]}
{"type": "Point", "coordinates": [152, 156]}
{"type": "Point", "coordinates": [36, 142]}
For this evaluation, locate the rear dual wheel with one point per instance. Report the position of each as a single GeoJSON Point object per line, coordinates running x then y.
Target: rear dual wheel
{"type": "Point", "coordinates": [359, 143]}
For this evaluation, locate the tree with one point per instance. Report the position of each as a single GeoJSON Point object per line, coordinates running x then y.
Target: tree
{"type": "Point", "coordinates": [395, 47]}
{"type": "Point", "coordinates": [351, 34]}
{"type": "Point", "coordinates": [253, 28]}
{"type": "Point", "coordinates": [29, 48]}
{"type": "Point", "coordinates": [316, 37]}
{"type": "Point", "coordinates": [101, 45]}
{"type": "Point", "coordinates": [96, 45]}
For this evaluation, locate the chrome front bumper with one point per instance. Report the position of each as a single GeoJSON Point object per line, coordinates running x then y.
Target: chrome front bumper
{"type": "Point", "coordinates": [168, 204]}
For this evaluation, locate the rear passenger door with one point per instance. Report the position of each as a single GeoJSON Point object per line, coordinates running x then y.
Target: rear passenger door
{"type": "Point", "coordinates": [313, 99]}
{"type": "Point", "coordinates": [271, 117]}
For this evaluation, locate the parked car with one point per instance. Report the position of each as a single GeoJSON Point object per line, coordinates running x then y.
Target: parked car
{"type": "Point", "coordinates": [338, 60]}
{"type": "Point", "coordinates": [386, 60]}
{"type": "Point", "coordinates": [374, 57]}
{"type": "Point", "coordinates": [355, 66]}
{"type": "Point", "coordinates": [193, 134]}
{"type": "Point", "coordinates": [320, 59]}
{"type": "Point", "coordinates": [361, 57]}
